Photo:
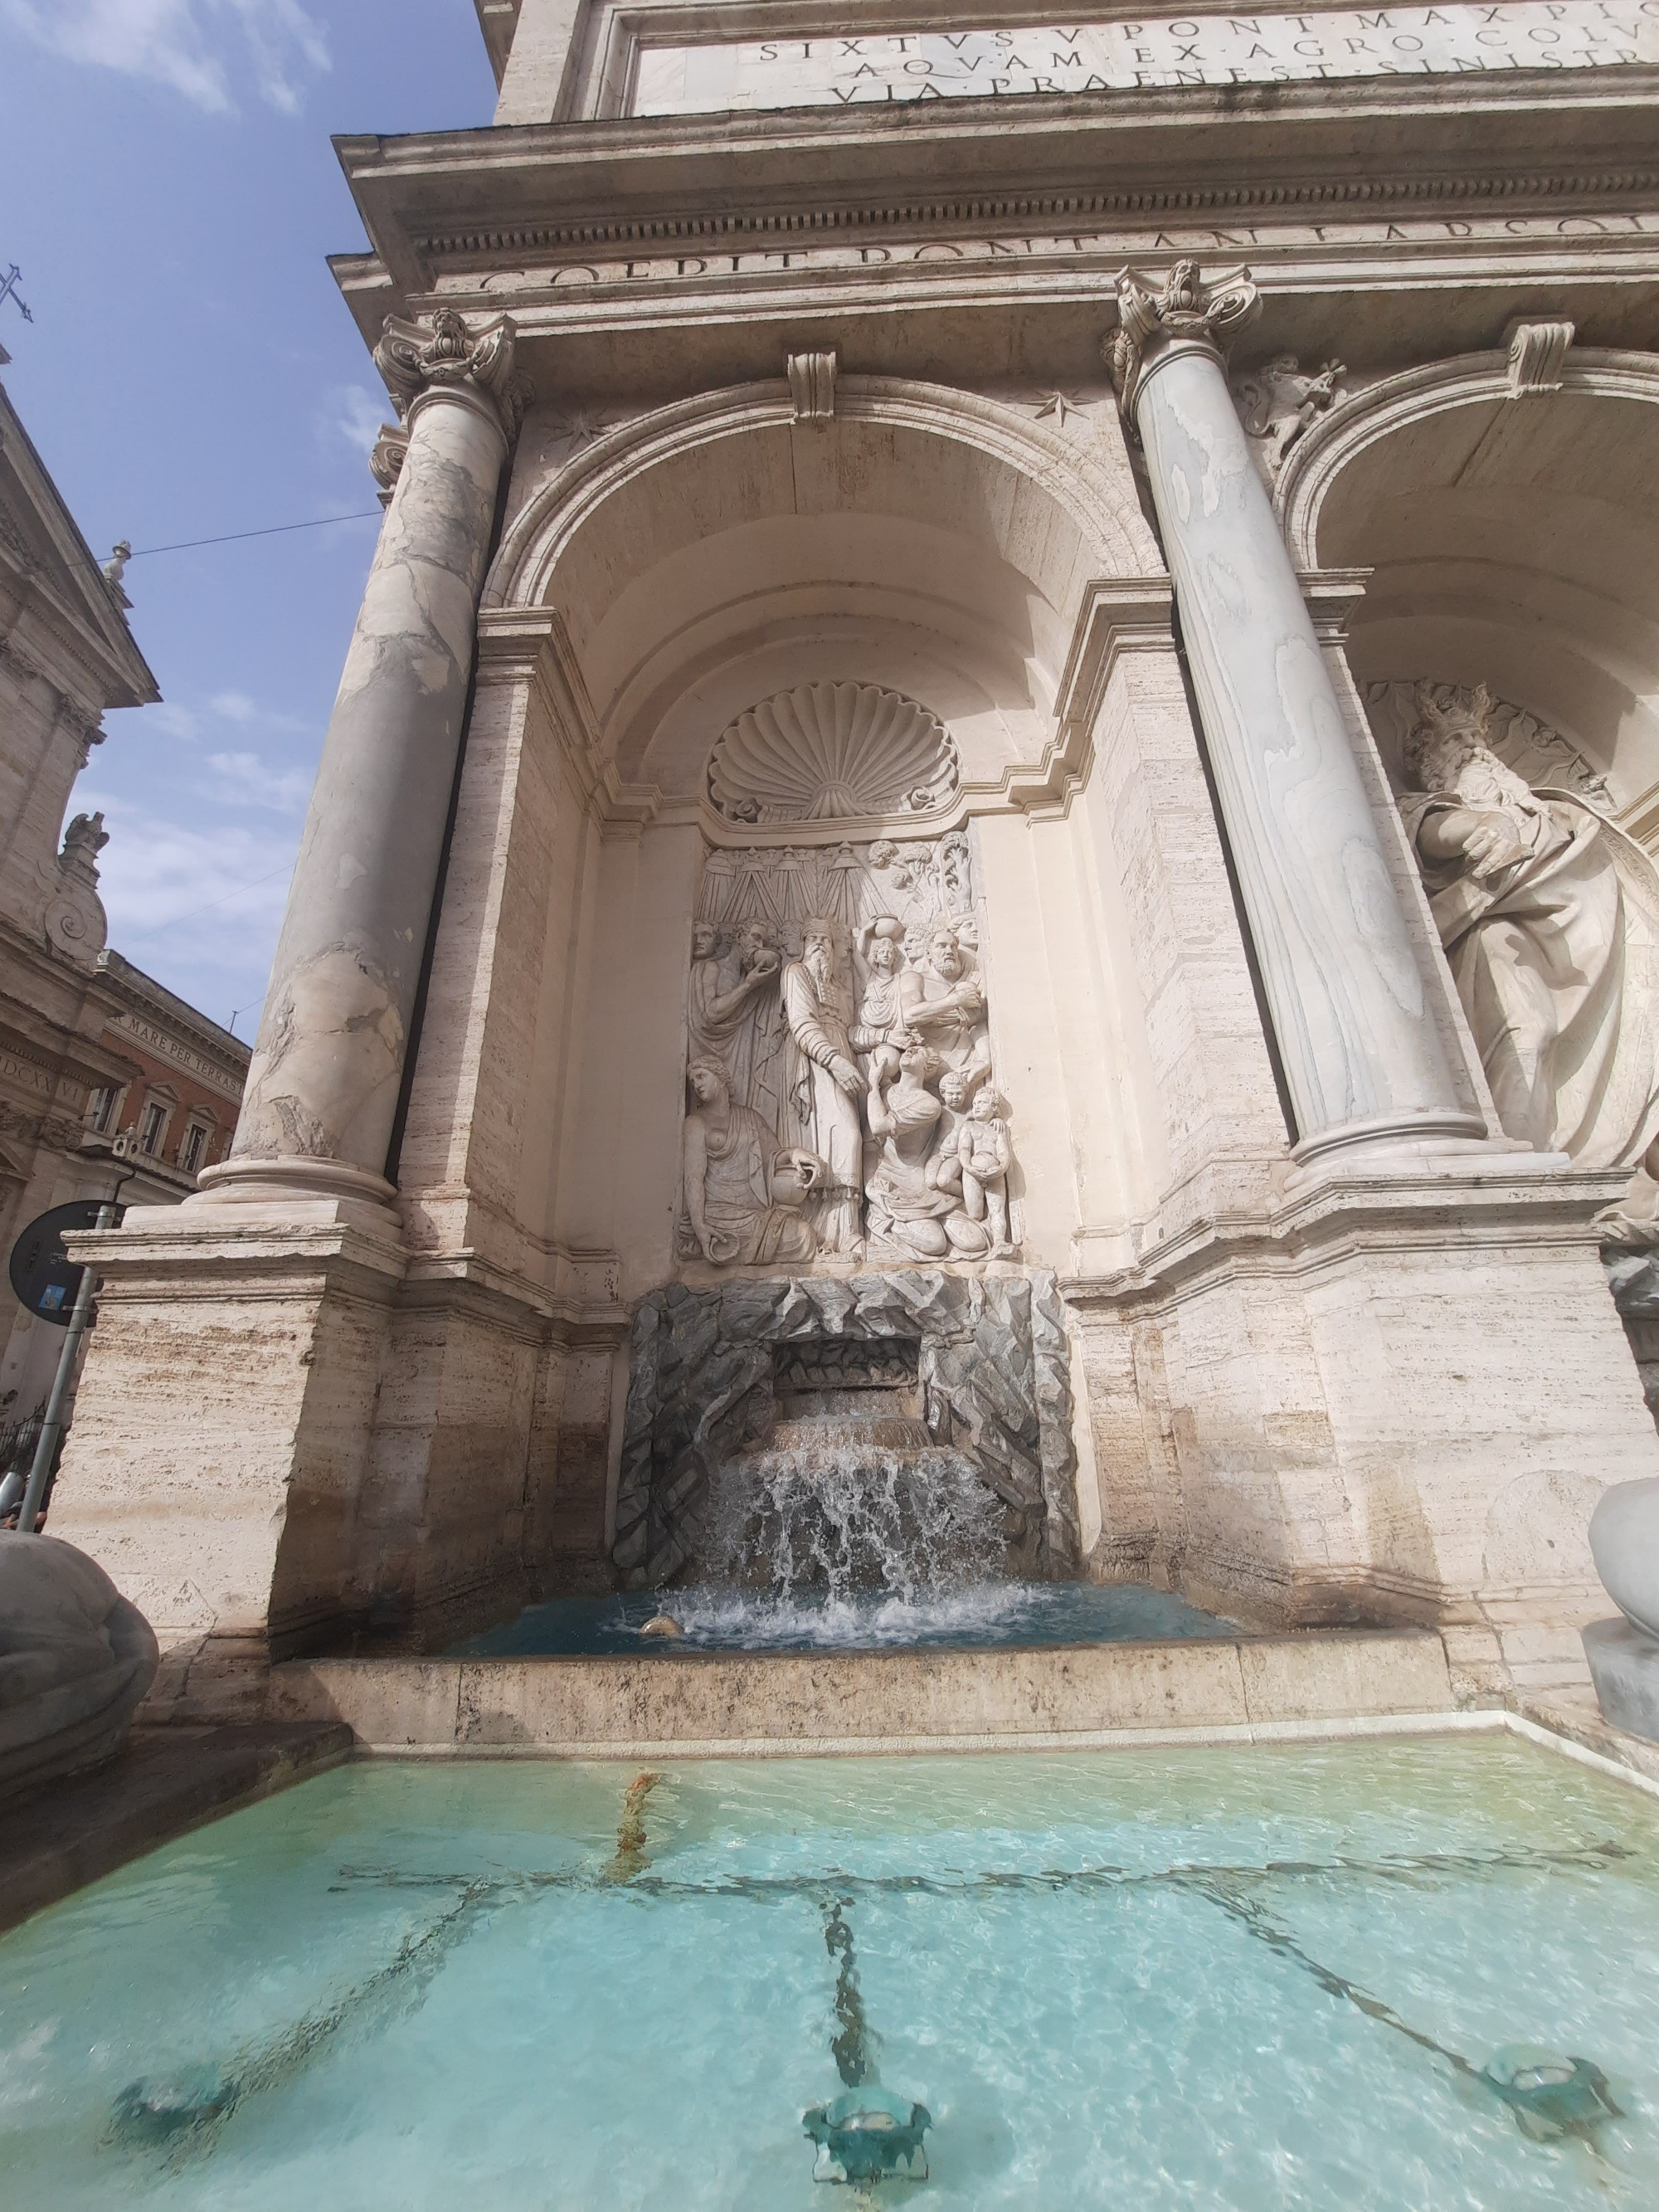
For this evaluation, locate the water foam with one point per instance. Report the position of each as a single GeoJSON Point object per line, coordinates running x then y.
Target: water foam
{"type": "Point", "coordinates": [845, 1503]}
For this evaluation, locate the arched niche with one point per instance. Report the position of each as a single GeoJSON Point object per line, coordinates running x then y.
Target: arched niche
{"type": "Point", "coordinates": [1512, 539]}
{"type": "Point", "coordinates": [717, 551]}
{"type": "Point", "coordinates": [683, 567]}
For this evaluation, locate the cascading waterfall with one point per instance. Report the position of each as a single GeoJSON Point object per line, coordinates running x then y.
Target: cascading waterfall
{"type": "Point", "coordinates": [851, 1494]}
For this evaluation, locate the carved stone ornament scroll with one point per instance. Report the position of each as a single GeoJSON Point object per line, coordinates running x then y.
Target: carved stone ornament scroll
{"type": "Point", "coordinates": [841, 1100]}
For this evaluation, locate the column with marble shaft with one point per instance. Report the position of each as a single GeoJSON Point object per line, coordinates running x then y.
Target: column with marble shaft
{"type": "Point", "coordinates": [322, 1092]}
{"type": "Point", "coordinates": [1362, 1056]}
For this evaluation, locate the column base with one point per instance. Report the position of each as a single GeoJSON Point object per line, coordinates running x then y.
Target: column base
{"type": "Point", "coordinates": [1383, 1136]}
{"type": "Point", "coordinates": [265, 1182]}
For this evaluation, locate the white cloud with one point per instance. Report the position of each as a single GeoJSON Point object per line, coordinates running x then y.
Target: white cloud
{"type": "Point", "coordinates": [234, 706]}
{"type": "Point", "coordinates": [198, 908]}
{"type": "Point", "coordinates": [250, 779]}
{"type": "Point", "coordinates": [165, 719]}
{"type": "Point", "coordinates": [357, 413]}
{"type": "Point", "coordinates": [186, 44]}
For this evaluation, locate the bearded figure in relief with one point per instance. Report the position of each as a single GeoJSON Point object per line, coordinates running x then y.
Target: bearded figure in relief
{"type": "Point", "coordinates": [1549, 917]}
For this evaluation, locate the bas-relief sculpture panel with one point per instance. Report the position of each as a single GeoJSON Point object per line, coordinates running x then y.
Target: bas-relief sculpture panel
{"type": "Point", "coordinates": [841, 1101]}
{"type": "Point", "coordinates": [1549, 916]}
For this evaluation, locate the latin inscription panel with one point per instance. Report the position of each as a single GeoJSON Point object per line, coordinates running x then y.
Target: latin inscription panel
{"type": "Point", "coordinates": [1203, 50]}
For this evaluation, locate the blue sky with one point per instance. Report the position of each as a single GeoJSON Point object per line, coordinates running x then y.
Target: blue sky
{"type": "Point", "coordinates": [168, 186]}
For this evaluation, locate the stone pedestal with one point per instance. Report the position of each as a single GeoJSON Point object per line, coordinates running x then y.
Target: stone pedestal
{"type": "Point", "coordinates": [1388, 1402]}
{"type": "Point", "coordinates": [1623, 1666]}
{"type": "Point", "coordinates": [281, 1442]}
{"type": "Point", "coordinates": [222, 1437]}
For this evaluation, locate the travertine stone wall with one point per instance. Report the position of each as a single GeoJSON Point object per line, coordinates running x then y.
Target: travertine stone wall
{"type": "Point", "coordinates": [221, 1447]}
{"type": "Point", "coordinates": [1400, 1409]}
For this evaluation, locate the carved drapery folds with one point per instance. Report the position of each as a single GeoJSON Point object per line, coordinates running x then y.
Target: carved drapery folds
{"type": "Point", "coordinates": [1548, 914]}
{"type": "Point", "coordinates": [840, 1095]}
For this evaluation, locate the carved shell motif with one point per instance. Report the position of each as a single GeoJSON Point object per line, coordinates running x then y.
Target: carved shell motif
{"type": "Point", "coordinates": [830, 752]}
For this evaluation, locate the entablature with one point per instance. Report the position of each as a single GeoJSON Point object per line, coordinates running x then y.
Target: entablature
{"type": "Point", "coordinates": [725, 233]}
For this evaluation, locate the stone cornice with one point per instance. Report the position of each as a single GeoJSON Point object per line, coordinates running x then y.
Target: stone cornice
{"type": "Point", "coordinates": [136, 999]}
{"type": "Point", "coordinates": [1364, 143]}
{"type": "Point", "coordinates": [1500, 1201]}
{"type": "Point", "coordinates": [62, 586]}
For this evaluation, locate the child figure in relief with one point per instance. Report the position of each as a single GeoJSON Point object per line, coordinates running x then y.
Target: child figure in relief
{"type": "Point", "coordinates": [985, 1156]}
{"type": "Point", "coordinates": [944, 1168]}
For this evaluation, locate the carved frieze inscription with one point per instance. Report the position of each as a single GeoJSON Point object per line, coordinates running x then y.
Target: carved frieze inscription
{"type": "Point", "coordinates": [717, 265]}
{"type": "Point", "coordinates": [840, 1098]}
{"type": "Point", "coordinates": [1274, 48]}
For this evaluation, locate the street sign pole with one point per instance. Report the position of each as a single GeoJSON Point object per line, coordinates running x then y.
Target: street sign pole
{"type": "Point", "coordinates": [63, 1383]}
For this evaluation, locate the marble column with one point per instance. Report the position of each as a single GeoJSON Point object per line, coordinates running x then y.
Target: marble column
{"type": "Point", "coordinates": [322, 1091]}
{"type": "Point", "coordinates": [1362, 1057]}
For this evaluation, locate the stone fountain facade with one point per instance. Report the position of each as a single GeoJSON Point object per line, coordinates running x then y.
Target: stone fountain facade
{"type": "Point", "coordinates": [924, 746]}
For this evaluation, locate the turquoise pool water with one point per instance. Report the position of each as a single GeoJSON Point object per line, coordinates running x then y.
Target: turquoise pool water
{"type": "Point", "coordinates": [977, 1617]}
{"type": "Point", "coordinates": [1183, 1981]}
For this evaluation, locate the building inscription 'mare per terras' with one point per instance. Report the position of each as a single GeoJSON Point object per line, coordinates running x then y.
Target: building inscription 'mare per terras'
{"type": "Point", "coordinates": [1275, 48]}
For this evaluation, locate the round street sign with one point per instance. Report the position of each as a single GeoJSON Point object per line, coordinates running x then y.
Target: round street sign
{"type": "Point", "coordinates": [42, 1273]}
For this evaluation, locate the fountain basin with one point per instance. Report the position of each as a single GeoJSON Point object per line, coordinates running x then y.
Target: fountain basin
{"type": "Point", "coordinates": [406, 1985]}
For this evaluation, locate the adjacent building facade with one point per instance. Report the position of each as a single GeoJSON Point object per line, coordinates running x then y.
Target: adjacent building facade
{"type": "Point", "coordinates": [1010, 705]}
{"type": "Point", "coordinates": [90, 1047]}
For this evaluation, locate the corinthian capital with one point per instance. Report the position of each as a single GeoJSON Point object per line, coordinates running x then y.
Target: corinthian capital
{"type": "Point", "coordinates": [414, 359]}
{"type": "Point", "coordinates": [1186, 308]}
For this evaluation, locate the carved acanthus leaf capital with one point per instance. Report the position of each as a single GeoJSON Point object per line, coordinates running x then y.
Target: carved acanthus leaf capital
{"type": "Point", "coordinates": [1183, 307]}
{"type": "Point", "coordinates": [414, 358]}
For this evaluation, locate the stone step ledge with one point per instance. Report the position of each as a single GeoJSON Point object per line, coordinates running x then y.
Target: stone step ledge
{"type": "Point", "coordinates": [710, 1703]}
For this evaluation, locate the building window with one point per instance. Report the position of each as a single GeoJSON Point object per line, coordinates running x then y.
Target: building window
{"type": "Point", "coordinates": [152, 1123]}
{"type": "Point", "coordinates": [102, 1111]}
{"type": "Point", "coordinates": [194, 1146]}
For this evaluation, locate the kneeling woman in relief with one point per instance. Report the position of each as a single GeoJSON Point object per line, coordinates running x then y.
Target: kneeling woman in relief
{"type": "Point", "coordinates": [746, 1193]}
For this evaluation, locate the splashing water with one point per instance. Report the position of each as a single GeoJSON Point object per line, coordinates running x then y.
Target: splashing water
{"type": "Point", "coordinates": [838, 1502]}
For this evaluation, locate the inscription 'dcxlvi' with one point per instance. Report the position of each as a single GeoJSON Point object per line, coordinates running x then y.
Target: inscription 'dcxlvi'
{"type": "Point", "coordinates": [1264, 49]}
